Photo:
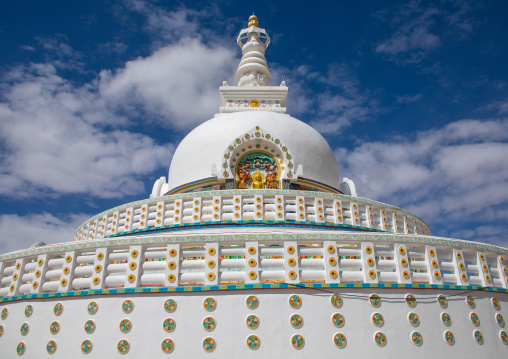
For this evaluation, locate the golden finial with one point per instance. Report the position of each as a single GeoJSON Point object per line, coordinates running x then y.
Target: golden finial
{"type": "Point", "coordinates": [253, 21]}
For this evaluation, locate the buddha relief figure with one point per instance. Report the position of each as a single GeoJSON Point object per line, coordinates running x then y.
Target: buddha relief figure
{"type": "Point", "coordinates": [258, 180]}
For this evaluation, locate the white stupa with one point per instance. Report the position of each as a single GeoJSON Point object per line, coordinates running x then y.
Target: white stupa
{"type": "Point", "coordinates": [254, 248]}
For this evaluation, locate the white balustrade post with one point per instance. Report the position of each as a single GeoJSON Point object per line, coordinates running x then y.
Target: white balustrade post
{"type": "Point", "coordinates": [402, 263]}
{"type": "Point", "coordinates": [114, 223]}
{"type": "Point", "coordinates": [330, 256]}
{"type": "Point", "coordinates": [178, 212]}
{"type": "Point", "coordinates": [433, 269]}
{"type": "Point", "coordinates": [67, 272]}
{"type": "Point", "coordinates": [2, 275]}
{"type": "Point", "coordinates": [134, 266]}
{"type": "Point", "coordinates": [211, 264]}
{"type": "Point", "coordinates": [40, 273]}
{"type": "Point", "coordinates": [355, 214]}
{"type": "Point", "coordinates": [259, 208]}
{"type": "Point", "coordinates": [369, 222]}
{"type": "Point", "coordinates": [143, 216]}
{"type": "Point", "coordinates": [503, 271]}
{"type": "Point", "coordinates": [16, 277]}
{"type": "Point", "coordinates": [103, 225]}
{"type": "Point", "coordinates": [291, 262]}
{"type": "Point", "coordinates": [196, 209]}
{"type": "Point", "coordinates": [483, 269]}
{"type": "Point", "coordinates": [252, 262]}
{"type": "Point", "coordinates": [459, 267]}
{"type": "Point", "coordinates": [301, 214]}
{"type": "Point", "coordinates": [319, 209]}
{"type": "Point", "coordinates": [279, 208]}
{"type": "Point", "coordinates": [159, 218]}
{"type": "Point", "coordinates": [217, 209]}
{"type": "Point", "coordinates": [237, 208]}
{"type": "Point", "coordinates": [337, 211]}
{"type": "Point", "coordinates": [369, 263]}
{"type": "Point", "coordinates": [100, 264]}
{"type": "Point", "coordinates": [129, 214]}
{"type": "Point", "coordinates": [172, 273]}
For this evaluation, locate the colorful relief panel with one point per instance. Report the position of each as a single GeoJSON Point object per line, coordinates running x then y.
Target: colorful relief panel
{"type": "Point", "coordinates": [257, 170]}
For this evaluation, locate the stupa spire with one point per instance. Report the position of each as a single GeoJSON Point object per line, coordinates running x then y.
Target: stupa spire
{"type": "Point", "coordinates": [253, 69]}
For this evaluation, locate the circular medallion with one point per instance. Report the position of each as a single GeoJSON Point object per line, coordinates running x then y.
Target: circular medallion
{"type": "Point", "coordinates": [167, 345]}
{"type": "Point", "coordinates": [338, 320]}
{"type": "Point", "coordinates": [503, 336]}
{"type": "Point", "coordinates": [442, 301]}
{"type": "Point", "coordinates": [449, 338]}
{"type": "Point", "coordinates": [89, 326]}
{"type": "Point", "coordinates": [296, 321]}
{"type": "Point", "coordinates": [127, 306]}
{"type": "Point", "coordinates": [417, 338]}
{"type": "Point", "coordinates": [378, 319]}
{"type": "Point", "coordinates": [411, 300]}
{"type": "Point", "coordinates": [86, 346]}
{"type": "Point", "coordinates": [470, 301]}
{"type": "Point", "coordinates": [340, 340]}
{"type": "Point", "coordinates": [169, 325]}
{"type": "Point", "coordinates": [5, 312]}
{"type": "Point", "coordinates": [54, 328]}
{"type": "Point", "coordinates": [170, 305]}
{"type": "Point", "coordinates": [336, 300]}
{"type": "Point", "coordinates": [252, 321]}
{"type": "Point", "coordinates": [1, 330]}
{"type": "Point", "coordinates": [58, 309]}
{"type": "Point", "coordinates": [500, 320]}
{"type": "Point", "coordinates": [125, 326]}
{"type": "Point", "coordinates": [123, 346]}
{"type": "Point", "coordinates": [474, 318]}
{"type": "Point", "coordinates": [495, 303]}
{"type": "Point", "coordinates": [92, 307]}
{"type": "Point", "coordinates": [24, 329]}
{"type": "Point", "coordinates": [413, 319]}
{"type": "Point", "coordinates": [253, 342]}
{"type": "Point", "coordinates": [447, 320]}
{"type": "Point", "coordinates": [295, 301]}
{"type": "Point", "coordinates": [209, 304]}
{"type": "Point", "coordinates": [209, 323]}
{"type": "Point", "coordinates": [29, 310]}
{"type": "Point", "coordinates": [375, 300]}
{"type": "Point", "coordinates": [51, 347]}
{"type": "Point", "coordinates": [478, 336]}
{"type": "Point", "coordinates": [297, 341]}
{"type": "Point", "coordinates": [252, 302]}
{"type": "Point", "coordinates": [380, 339]}
{"type": "Point", "coordinates": [209, 344]}
{"type": "Point", "coordinates": [20, 348]}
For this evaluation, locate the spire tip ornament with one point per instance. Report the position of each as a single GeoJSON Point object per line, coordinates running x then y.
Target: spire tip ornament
{"type": "Point", "coordinates": [253, 21]}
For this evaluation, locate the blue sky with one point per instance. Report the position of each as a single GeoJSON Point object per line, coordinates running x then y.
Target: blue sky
{"type": "Point", "coordinates": [95, 96]}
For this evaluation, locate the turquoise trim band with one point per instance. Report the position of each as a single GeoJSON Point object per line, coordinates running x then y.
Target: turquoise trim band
{"type": "Point", "coordinates": [247, 286]}
{"type": "Point", "coordinates": [243, 224]}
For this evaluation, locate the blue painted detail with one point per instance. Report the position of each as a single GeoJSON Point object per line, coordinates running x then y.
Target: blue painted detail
{"type": "Point", "coordinates": [249, 286]}
{"type": "Point", "coordinates": [207, 179]}
{"type": "Point", "coordinates": [247, 223]}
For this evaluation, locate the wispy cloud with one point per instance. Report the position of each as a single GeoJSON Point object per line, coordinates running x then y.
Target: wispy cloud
{"type": "Point", "coordinates": [23, 231]}
{"type": "Point", "coordinates": [448, 176]}
{"type": "Point", "coordinates": [420, 26]}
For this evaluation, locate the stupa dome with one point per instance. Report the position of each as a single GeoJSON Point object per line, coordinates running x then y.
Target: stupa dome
{"type": "Point", "coordinates": [204, 149]}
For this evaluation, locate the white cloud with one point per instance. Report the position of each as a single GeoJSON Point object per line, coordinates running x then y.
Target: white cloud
{"type": "Point", "coordinates": [177, 85]}
{"type": "Point", "coordinates": [420, 26]}
{"type": "Point", "coordinates": [20, 232]}
{"type": "Point", "coordinates": [408, 98]}
{"type": "Point", "coordinates": [451, 176]}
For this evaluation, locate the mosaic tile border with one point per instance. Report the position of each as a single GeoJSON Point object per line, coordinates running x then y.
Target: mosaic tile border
{"type": "Point", "coordinates": [245, 224]}
{"type": "Point", "coordinates": [248, 286]}
{"type": "Point", "coordinates": [203, 180]}
{"type": "Point", "coordinates": [268, 237]}
{"type": "Point", "coordinates": [249, 192]}
{"type": "Point", "coordinates": [311, 181]}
